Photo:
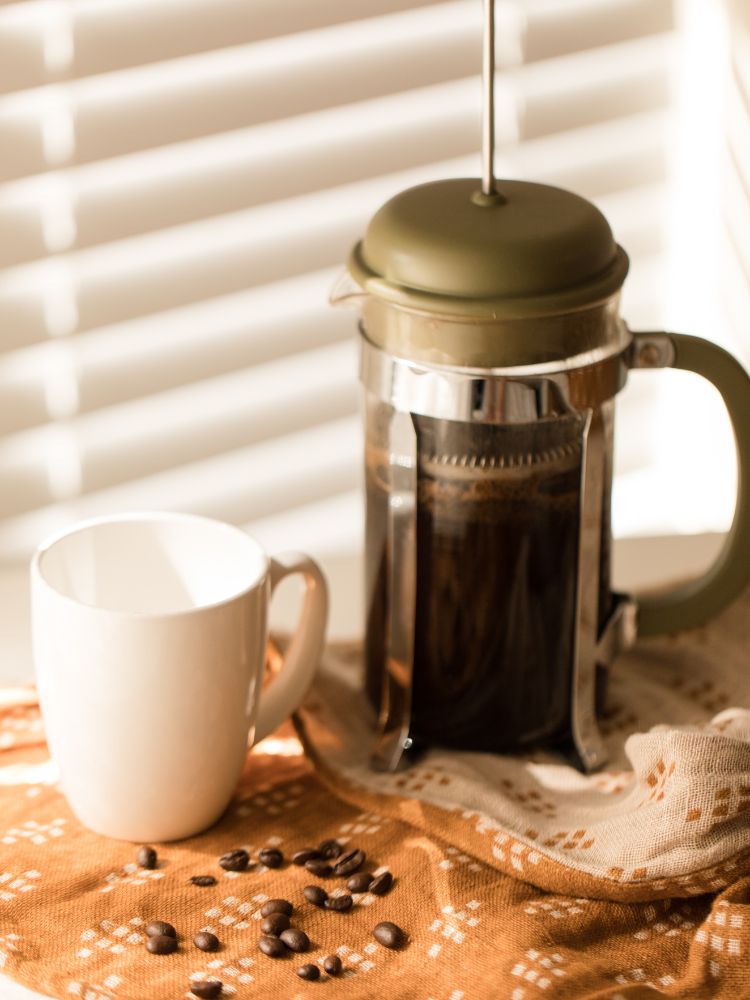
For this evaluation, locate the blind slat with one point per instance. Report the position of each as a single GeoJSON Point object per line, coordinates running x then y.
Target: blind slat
{"type": "Point", "coordinates": [738, 137]}
{"type": "Point", "coordinates": [43, 42]}
{"type": "Point", "coordinates": [240, 486]}
{"type": "Point", "coordinates": [738, 218]}
{"type": "Point", "coordinates": [59, 378]}
{"type": "Point", "coordinates": [596, 160]}
{"type": "Point", "coordinates": [558, 26]}
{"type": "Point", "coordinates": [140, 438]}
{"type": "Point", "coordinates": [133, 32]}
{"type": "Point", "coordinates": [735, 272]}
{"type": "Point", "coordinates": [643, 303]}
{"type": "Point", "coordinates": [736, 297]}
{"type": "Point", "coordinates": [596, 86]}
{"type": "Point", "coordinates": [93, 37]}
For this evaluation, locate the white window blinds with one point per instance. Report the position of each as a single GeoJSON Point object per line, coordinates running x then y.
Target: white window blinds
{"type": "Point", "coordinates": [180, 182]}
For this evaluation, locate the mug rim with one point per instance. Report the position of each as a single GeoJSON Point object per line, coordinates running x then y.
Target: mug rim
{"type": "Point", "coordinates": [47, 544]}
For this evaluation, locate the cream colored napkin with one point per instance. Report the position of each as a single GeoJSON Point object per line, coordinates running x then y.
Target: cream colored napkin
{"type": "Point", "coordinates": [670, 814]}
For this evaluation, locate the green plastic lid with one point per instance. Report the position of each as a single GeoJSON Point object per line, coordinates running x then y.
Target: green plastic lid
{"type": "Point", "coordinates": [533, 250]}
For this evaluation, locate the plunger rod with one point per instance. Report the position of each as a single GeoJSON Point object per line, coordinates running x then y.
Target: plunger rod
{"type": "Point", "coordinates": [488, 111]}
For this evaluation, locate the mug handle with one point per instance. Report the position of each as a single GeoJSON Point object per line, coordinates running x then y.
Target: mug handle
{"type": "Point", "coordinates": [693, 604]}
{"type": "Point", "coordinates": [287, 688]}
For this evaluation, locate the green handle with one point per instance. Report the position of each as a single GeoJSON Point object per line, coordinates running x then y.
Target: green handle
{"type": "Point", "coordinates": [696, 602]}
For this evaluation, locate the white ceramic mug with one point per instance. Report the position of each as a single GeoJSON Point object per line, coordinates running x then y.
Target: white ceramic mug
{"type": "Point", "coordinates": [149, 636]}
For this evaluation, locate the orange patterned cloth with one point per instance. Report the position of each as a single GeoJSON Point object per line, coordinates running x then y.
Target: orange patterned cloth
{"type": "Point", "coordinates": [517, 879]}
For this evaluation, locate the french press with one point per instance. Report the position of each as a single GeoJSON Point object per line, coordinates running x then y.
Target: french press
{"type": "Point", "coordinates": [492, 350]}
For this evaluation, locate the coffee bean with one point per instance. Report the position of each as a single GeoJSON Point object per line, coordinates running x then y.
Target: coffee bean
{"type": "Point", "coordinates": [146, 857]}
{"type": "Point", "coordinates": [339, 903]}
{"type": "Point", "coordinates": [359, 882]}
{"type": "Point", "coordinates": [320, 868]}
{"type": "Point", "coordinates": [161, 944]}
{"type": "Point", "coordinates": [349, 863]}
{"type": "Point", "coordinates": [295, 939]}
{"type": "Point", "coordinates": [305, 855]}
{"type": "Point", "coordinates": [272, 946]}
{"type": "Point", "coordinates": [235, 861]}
{"type": "Point", "coordinates": [330, 849]}
{"type": "Point", "coordinates": [206, 989]}
{"type": "Point", "coordinates": [271, 857]}
{"type": "Point", "coordinates": [206, 941]}
{"type": "Point", "coordinates": [308, 971]}
{"type": "Point", "coordinates": [203, 880]}
{"type": "Point", "coordinates": [332, 965]}
{"type": "Point", "coordinates": [315, 895]}
{"type": "Point", "coordinates": [274, 924]}
{"type": "Point", "coordinates": [389, 934]}
{"type": "Point", "coordinates": [276, 906]}
{"type": "Point", "coordinates": [382, 884]}
{"type": "Point", "coordinates": [157, 927]}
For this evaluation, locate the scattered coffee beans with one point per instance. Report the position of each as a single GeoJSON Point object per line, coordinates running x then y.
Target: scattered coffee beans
{"type": "Point", "coordinates": [340, 904]}
{"type": "Point", "coordinates": [332, 965]}
{"type": "Point", "coordinates": [235, 861]}
{"type": "Point", "coordinates": [315, 895]}
{"type": "Point", "coordinates": [295, 939]}
{"type": "Point", "coordinates": [349, 863]}
{"type": "Point", "coordinates": [389, 934]}
{"type": "Point", "coordinates": [206, 941]}
{"type": "Point", "coordinates": [276, 906]}
{"type": "Point", "coordinates": [157, 927]}
{"type": "Point", "coordinates": [279, 938]}
{"type": "Point", "coordinates": [320, 868]}
{"type": "Point", "coordinates": [359, 882]}
{"type": "Point", "coordinates": [206, 989]}
{"type": "Point", "coordinates": [161, 944]}
{"type": "Point", "coordinates": [272, 946]}
{"type": "Point", "coordinates": [308, 971]}
{"type": "Point", "coordinates": [146, 857]}
{"type": "Point", "coordinates": [271, 857]}
{"type": "Point", "coordinates": [382, 884]}
{"type": "Point", "coordinates": [274, 924]}
{"type": "Point", "coordinates": [330, 849]}
{"type": "Point", "coordinates": [203, 880]}
{"type": "Point", "coordinates": [305, 855]}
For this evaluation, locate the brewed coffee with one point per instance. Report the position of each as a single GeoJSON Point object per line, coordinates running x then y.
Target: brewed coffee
{"type": "Point", "coordinates": [497, 555]}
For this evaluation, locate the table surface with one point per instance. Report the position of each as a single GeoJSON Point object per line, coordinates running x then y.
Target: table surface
{"type": "Point", "coordinates": [638, 563]}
